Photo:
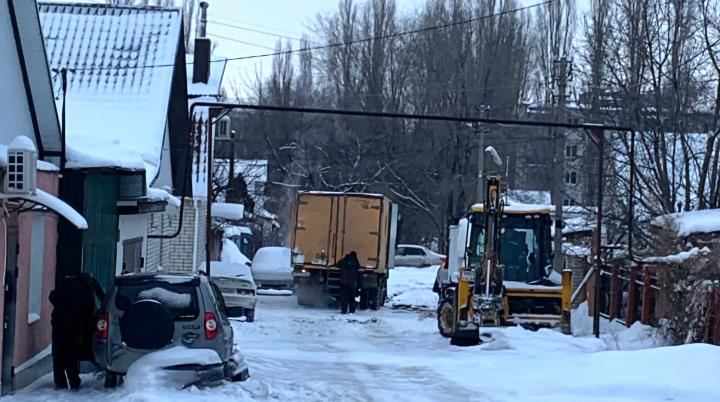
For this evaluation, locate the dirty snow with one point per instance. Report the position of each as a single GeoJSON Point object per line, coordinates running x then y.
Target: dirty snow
{"type": "Point", "coordinates": [167, 297]}
{"type": "Point", "coordinates": [305, 354]}
{"type": "Point", "coordinates": [687, 223]}
{"type": "Point", "coordinates": [678, 258]}
{"type": "Point", "coordinates": [147, 372]}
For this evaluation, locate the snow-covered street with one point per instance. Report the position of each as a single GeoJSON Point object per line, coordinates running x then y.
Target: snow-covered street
{"type": "Point", "coordinates": [303, 354]}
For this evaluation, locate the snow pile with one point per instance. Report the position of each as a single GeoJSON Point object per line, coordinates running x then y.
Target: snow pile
{"type": "Point", "coordinates": [687, 223]}
{"type": "Point", "coordinates": [147, 373]}
{"type": "Point", "coordinates": [616, 335]}
{"type": "Point", "coordinates": [231, 253]}
{"type": "Point", "coordinates": [678, 258]}
{"type": "Point", "coordinates": [228, 211]}
{"type": "Point", "coordinates": [167, 297]}
{"type": "Point", "coordinates": [412, 288]}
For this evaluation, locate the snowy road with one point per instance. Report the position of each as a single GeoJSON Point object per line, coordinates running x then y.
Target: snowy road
{"type": "Point", "coordinates": [302, 354]}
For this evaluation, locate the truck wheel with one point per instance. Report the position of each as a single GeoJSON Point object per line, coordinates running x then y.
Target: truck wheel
{"type": "Point", "coordinates": [303, 295]}
{"type": "Point", "coordinates": [310, 296]}
{"type": "Point", "coordinates": [364, 299]}
{"type": "Point", "coordinates": [249, 314]}
{"type": "Point", "coordinates": [111, 379]}
{"type": "Point", "coordinates": [446, 318]}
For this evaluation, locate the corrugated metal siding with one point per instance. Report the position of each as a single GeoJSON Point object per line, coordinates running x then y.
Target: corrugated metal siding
{"type": "Point", "coordinates": [100, 238]}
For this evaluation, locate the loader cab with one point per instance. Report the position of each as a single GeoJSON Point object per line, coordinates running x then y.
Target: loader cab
{"type": "Point", "coordinates": [525, 242]}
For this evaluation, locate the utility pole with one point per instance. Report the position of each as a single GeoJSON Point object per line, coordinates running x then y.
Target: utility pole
{"type": "Point", "coordinates": [480, 134]}
{"type": "Point", "coordinates": [558, 190]}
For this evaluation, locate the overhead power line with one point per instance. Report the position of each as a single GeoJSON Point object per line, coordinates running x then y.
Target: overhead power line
{"type": "Point", "coordinates": [340, 44]}
{"type": "Point", "coordinates": [240, 41]}
{"type": "Point", "coordinates": [225, 24]}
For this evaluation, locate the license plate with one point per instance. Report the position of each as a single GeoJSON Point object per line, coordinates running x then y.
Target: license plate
{"type": "Point", "coordinates": [301, 273]}
{"type": "Point", "coordinates": [468, 276]}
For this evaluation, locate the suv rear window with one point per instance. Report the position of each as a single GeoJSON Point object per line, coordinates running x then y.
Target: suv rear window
{"type": "Point", "coordinates": [180, 299]}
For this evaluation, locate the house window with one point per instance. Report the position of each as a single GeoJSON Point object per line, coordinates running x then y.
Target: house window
{"type": "Point", "coordinates": [37, 253]}
{"type": "Point", "coordinates": [571, 177]}
{"type": "Point", "coordinates": [571, 150]}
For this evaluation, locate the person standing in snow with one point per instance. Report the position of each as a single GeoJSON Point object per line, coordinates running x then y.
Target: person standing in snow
{"type": "Point", "coordinates": [349, 266]}
{"type": "Point", "coordinates": [72, 321]}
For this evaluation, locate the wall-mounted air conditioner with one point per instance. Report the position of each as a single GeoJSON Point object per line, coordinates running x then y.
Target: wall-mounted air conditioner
{"type": "Point", "coordinates": [21, 173]}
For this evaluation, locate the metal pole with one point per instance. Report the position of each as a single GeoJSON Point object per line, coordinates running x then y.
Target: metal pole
{"type": "Point", "coordinates": [63, 143]}
{"type": "Point", "coordinates": [208, 218]}
{"type": "Point", "coordinates": [599, 134]}
{"type": "Point", "coordinates": [631, 200]}
{"type": "Point", "coordinates": [481, 163]}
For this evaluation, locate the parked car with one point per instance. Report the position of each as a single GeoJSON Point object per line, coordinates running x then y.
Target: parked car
{"type": "Point", "coordinates": [410, 255]}
{"type": "Point", "coordinates": [237, 287]}
{"type": "Point", "coordinates": [272, 268]}
{"type": "Point", "coordinates": [148, 312]}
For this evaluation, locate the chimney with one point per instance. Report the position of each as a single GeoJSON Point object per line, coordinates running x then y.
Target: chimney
{"type": "Point", "coordinates": [201, 58]}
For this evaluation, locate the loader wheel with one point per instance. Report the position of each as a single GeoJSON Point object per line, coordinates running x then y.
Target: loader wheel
{"type": "Point", "coordinates": [465, 338]}
{"type": "Point", "coordinates": [446, 318]}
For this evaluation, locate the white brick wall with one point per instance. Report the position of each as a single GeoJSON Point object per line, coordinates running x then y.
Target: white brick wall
{"type": "Point", "coordinates": [176, 254]}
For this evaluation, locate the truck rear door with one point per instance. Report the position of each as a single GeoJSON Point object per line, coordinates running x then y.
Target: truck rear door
{"type": "Point", "coordinates": [361, 229]}
{"type": "Point", "coordinates": [314, 227]}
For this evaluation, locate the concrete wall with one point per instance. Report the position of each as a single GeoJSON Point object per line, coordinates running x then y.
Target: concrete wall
{"type": "Point", "coordinates": [176, 254]}
{"type": "Point", "coordinates": [131, 227]}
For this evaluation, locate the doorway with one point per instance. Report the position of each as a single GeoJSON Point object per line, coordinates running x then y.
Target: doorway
{"type": "Point", "coordinates": [132, 255]}
{"type": "Point", "coordinates": [8, 344]}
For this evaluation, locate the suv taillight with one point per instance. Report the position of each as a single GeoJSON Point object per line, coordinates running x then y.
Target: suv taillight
{"type": "Point", "coordinates": [102, 326]}
{"type": "Point", "coordinates": [210, 326]}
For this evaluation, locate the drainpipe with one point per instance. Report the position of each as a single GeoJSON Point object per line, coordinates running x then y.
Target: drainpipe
{"type": "Point", "coordinates": [195, 234]}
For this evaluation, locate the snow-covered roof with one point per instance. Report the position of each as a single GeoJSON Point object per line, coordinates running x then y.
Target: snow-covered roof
{"type": "Point", "coordinates": [43, 166]}
{"type": "Point", "coordinates": [158, 194]}
{"type": "Point", "coordinates": [518, 208]}
{"type": "Point", "coordinates": [227, 210]}
{"type": "Point", "coordinates": [214, 84]}
{"type": "Point", "coordinates": [233, 231]}
{"type": "Point", "coordinates": [116, 109]}
{"type": "Point", "coordinates": [50, 201]}
{"type": "Point", "coordinates": [678, 258]}
{"type": "Point", "coordinates": [688, 223]}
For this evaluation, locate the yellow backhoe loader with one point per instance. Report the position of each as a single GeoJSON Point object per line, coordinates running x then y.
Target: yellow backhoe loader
{"type": "Point", "coordinates": [499, 271]}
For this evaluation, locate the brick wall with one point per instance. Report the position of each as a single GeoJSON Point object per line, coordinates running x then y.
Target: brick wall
{"type": "Point", "coordinates": [176, 254]}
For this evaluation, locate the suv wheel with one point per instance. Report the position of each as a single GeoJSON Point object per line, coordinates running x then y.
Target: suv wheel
{"type": "Point", "coordinates": [249, 314]}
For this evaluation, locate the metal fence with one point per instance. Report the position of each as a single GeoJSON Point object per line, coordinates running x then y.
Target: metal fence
{"type": "Point", "coordinates": [629, 294]}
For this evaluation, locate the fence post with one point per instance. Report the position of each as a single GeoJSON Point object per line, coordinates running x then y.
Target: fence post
{"type": "Point", "coordinates": [632, 297]}
{"type": "Point", "coordinates": [647, 298]}
{"type": "Point", "coordinates": [614, 292]}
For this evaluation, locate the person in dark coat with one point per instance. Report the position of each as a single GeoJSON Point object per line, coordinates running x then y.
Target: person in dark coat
{"type": "Point", "coordinates": [73, 322]}
{"type": "Point", "coordinates": [349, 266]}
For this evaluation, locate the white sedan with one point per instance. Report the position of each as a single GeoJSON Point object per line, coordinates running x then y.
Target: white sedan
{"type": "Point", "coordinates": [410, 255]}
{"type": "Point", "coordinates": [237, 287]}
{"type": "Point", "coordinates": [272, 268]}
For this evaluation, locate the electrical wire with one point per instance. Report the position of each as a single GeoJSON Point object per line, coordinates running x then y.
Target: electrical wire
{"type": "Point", "coordinates": [338, 44]}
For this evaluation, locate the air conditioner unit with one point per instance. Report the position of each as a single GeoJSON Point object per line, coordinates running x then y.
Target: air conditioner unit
{"type": "Point", "coordinates": [222, 129]}
{"type": "Point", "coordinates": [21, 174]}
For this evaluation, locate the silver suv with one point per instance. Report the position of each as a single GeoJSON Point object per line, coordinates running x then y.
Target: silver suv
{"type": "Point", "coordinates": [149, 312]}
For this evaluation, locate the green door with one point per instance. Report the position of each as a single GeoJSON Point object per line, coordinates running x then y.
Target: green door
{"type": "Point", "coordinates": [100, 238]}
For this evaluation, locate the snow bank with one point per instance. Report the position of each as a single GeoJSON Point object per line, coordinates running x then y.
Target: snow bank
{"type": "Point", "coordinates": [678, 258]}
{"type": "Point", "coordinates": [226, 210]}
{"type": "Point", "coordinates": [231, 253]}
{"type": "Point", "coordinates": [147, 372]}
{"type": "Point", "coordinates": [275, 292]}
{"type": "Point", "coordinates": [687, 223]}
{"type": "Point", "coordinates": [616, 335]}
{"type": "Point", "coordinates": [167, 297]}
{"type": "Point", "coordinates": [412, 288]}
